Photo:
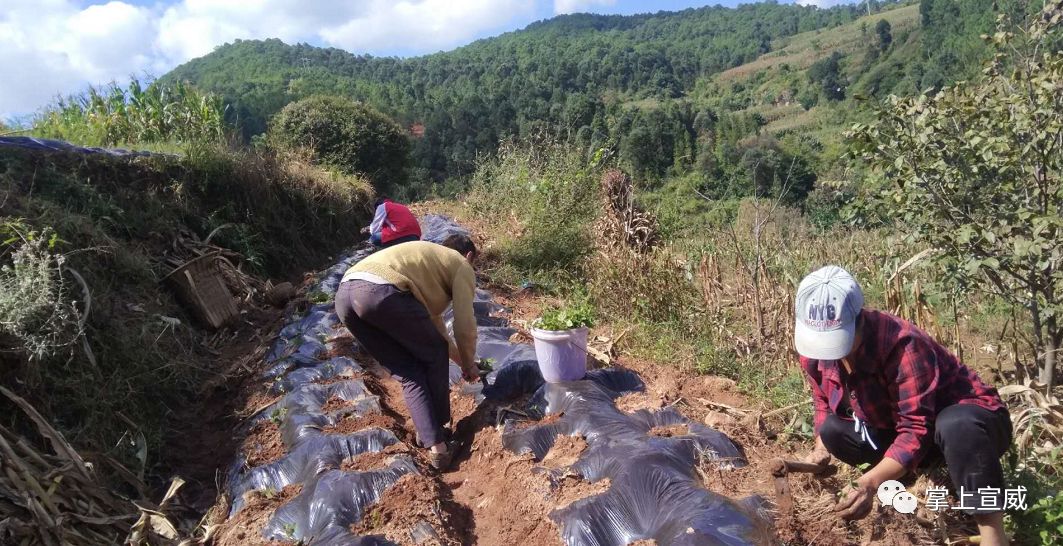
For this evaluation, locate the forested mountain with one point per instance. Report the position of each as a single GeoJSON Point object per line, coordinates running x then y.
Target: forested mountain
{"type": "Point", "coordinates": [667, 92]}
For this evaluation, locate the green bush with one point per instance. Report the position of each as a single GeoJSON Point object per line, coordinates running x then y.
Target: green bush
{"type": "Point", "coordinates": [824, 204]}
{"type": "Point", "coordinates": [347, 135]}
{"type": "Point", "coordinates": [1042, 521]}
{"type": "Point", "coordinates": [547, 198]}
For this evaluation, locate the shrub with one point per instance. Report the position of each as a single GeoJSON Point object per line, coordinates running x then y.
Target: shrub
{"type": "Point", "coordinates": [975, 171]}
{"type": "Point", "coordinates": [347, 135]}
{"type": "Point", "coordinates": [37, 316]}
{"type": "Point", "coordinates": [547, 199]}
{"type": "Point", "coordinates": [649, 287]}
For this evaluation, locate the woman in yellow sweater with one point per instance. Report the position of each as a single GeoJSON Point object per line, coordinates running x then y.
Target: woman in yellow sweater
{"type": "Point", "coordinates": [393, 302]}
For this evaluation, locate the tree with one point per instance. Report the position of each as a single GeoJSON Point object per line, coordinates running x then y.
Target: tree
{"type": "Point", "coordinates": [347, 135]}
{"type": "Point", "coordinates": [885, 38]}
{"type": "Point", "coordinates": [827, 73]}
{"type": "Point", "coordinates": [975, 172]}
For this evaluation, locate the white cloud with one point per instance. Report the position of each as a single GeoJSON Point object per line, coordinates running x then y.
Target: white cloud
{"type": "Point", "coordinates": [577, 6]}
{"type": "Point", "coordinates": [425, 25]}
{"type": "Point", "coordinates": [58, 47]}
{"type": "Point", "coordinates": [193, 28]}
{"type": "Point", "coordinates": [53, 47]}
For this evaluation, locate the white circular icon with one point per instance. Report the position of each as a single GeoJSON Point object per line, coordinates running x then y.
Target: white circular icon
{"type": "Point", "coordinates": [905, 502]}
{"type": "Point", "coordinates": [888, 491]}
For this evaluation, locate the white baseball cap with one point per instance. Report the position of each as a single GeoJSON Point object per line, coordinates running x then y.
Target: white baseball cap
{"type": "Point", "coordinates": [828, 302]}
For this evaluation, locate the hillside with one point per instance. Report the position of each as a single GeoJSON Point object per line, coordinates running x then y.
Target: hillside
{"type": "Point", "coordinates": [660, 182]}
{"type": "Point", "coordinates": [698, 96]}
{"type": "Point", "coordinates": [570, 76]}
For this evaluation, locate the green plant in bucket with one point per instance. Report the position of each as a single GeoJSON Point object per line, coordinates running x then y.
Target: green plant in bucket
{"type": "Point", "coordinates": [568, 317]}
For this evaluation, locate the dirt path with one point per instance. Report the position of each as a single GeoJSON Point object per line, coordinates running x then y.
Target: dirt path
{"type": "Point", "coordinates": [203, 434]}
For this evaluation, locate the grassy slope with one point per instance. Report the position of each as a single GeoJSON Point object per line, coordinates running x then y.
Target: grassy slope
{"type": "Point", "coordinates": [801, 50]}
{"type": "Point", "coordinates": [117, 219]}
{"type": "Point", "coordinates": [765, 81]}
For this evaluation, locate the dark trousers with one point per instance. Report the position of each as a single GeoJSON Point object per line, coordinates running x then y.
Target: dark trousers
{"type": "Point", "coordinates": [375, 239]}
{"type": "Point", "coordinates": [971, 439]}
{"type": "Point", "coordinates": [397, 330]}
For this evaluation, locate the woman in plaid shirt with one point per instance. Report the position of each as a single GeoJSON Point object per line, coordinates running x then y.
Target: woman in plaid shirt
{"type": "Point", "coordinates": [888, 395]}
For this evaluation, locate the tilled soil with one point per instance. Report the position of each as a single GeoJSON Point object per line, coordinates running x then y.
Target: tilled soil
{"type": "Point", "coordinates": [670, 431]}
{"type": "Point", "coordinates": [335, 403]}
{"type": "Point", "coordinates": [245, 528]}
{"type": "Point", "coordinates": [510, 503]}
{"type": "Point", "coordinates": [263, 444]}
{"type": "Point", "coordinates": [565, 452]}
{"type": "Point", "coordinates": [352, 424]}
{"type": "Point", "coordinates": [547, 420]}
{"type": "Point", "coordinates": [417, 503]}
{"type": "Point", "coordinates": [572, 488]}
{"type": "Point", "coordinates": [373, 460]}
{"type": "Point", "coordinates": [636, 401]}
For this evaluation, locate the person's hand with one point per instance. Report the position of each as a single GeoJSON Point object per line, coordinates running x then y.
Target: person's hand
{"type": "Point", "coordinates": [470, 373]}
{"type": "Point", "coordinates": [819, 454]}
{"type": "Point", "coordinates": [857, 501]}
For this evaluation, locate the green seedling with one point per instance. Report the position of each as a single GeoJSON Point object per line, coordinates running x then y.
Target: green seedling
{"type": "Point", "coordinates": [376, 518]}
{"type": "Point", "coordinates": [289, 530]}
{"type": "Point", "coordinates": [277, 415]}
{"type": "Point", "coordinates": [486, 364]}
{"type": "Point", "coordinates": [862, 467]}
{"type": "Point", "coordinates": [318, 296]}
{"type": "Point", "coordinates": [269, 493]}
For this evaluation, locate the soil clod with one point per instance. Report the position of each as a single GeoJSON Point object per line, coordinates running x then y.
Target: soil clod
{"type": "Point", "coordinates": [263, 444]}
{"type": "Point", "coordinates": [352, 424]}
{"type": "Point", "coordinates": [416, 502]}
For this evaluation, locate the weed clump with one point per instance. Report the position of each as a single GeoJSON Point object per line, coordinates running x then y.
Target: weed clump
{"type": "Point", "coordinates": [36, 312]}
{"type": "Point", "coordinates": [545, 198]}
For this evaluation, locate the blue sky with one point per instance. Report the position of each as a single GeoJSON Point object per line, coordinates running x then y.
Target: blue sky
{"type": "Point", "coordinates": [57, 47]}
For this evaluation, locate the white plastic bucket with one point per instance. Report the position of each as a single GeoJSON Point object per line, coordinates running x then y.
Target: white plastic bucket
{"type": "Point", "coordinates": [562, 355]}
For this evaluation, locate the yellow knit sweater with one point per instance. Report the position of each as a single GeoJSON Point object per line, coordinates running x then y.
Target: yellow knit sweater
{"type": "Point", "coordinates": [437, 276]}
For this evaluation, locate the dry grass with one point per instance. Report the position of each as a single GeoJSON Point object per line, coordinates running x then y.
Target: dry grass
{"type": "Point", "coordinates": [60, 500]}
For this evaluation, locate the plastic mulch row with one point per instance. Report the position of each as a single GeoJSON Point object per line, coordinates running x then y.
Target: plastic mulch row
{"type": "Point", "coordinates": [654, 490]}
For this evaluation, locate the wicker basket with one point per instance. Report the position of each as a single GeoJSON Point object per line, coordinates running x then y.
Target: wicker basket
{"type": "Point", "coordinates": [201, 286]}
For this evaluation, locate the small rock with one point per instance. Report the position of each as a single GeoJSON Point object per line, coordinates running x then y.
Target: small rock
{"type": "Point", "coordinates": [716, 419]}
{"type": "Point", "coordinates": [423, 532]}
{"type": "Point", "coordinates": [280, 294]}
{"type": "Point", "coordinates": [718, 383]}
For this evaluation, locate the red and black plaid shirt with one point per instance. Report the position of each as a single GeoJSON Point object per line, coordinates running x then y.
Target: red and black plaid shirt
{"type": "Point", "coordinates": [901, 380]}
